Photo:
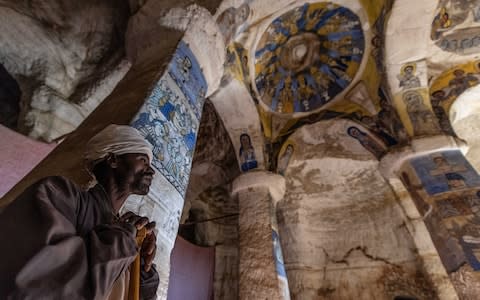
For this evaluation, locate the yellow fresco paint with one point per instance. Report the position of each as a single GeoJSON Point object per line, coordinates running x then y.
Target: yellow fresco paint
{"type": "Point", "coordinates": [451, 83]}
{"type": "Point", "coordinates": [401, 107]}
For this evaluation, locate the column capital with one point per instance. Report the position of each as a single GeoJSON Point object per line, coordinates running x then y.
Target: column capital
{"type": "Point", "coordinates": [393, 160]}
{"type": "Point", "coordinates": [261, 179]}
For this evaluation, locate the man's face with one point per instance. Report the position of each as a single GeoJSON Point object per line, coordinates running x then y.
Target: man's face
{"type": "Point", "coordinates": [289, 149]}
{"type": "Point", "coordinates": [354, 132]}
{"type": "Point", "coordinates": [458, 73]}
{"type": "Point", "coordinates": [135, 171]}
{"type": "Point", "coordinates": [409, 70]}
{"type": "Point", "coordinates": [413, 100]}
{"type": "Point", "coordinates": [245, 141]}
{"type": "Point", "coordinates": [439, 94]}
{"type": "Point", "coordinates": [440, 161]}
{"type": "Point", "coordinates": [456, 184]}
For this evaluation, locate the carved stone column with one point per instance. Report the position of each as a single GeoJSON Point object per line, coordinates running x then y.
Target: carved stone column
{"type": "Point", "coordinates": [261, 272]}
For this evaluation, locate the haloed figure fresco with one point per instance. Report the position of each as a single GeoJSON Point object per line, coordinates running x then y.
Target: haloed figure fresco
{"type": "Point", "coordinates": [374, 147]}
{"type": "Point", "coordinates": [450, 187]}
{"type": "Point", "coordinates": [247, 153]}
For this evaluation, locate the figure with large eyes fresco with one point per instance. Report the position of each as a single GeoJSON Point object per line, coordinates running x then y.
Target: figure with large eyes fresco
{"type": "Point", "coordinates": [442, 166]}
{"type": "Point", "coordinates": [389, 119]}
{"type": "Point", "coordinates": [248, 160]}
{"type": "Point", "coordinates": [450, 186]}
{"type": "Point", "coordinates": [461, 82]}
{"type": "Point", "coordinates": [436, 99]}
{"type": "Point", "coordinates": [423, 120]}
{"type": "Point", "coordinates": [441, 22]}
{"type": "Point", "coordinates": [407, 77]}
{"type": "Point", "coordinates": [367, 141]}
{"type": "Point", "coordinates": [231, 20]}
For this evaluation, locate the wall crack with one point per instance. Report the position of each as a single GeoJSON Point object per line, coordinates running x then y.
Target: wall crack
{"type": "Point", "coordinates": [363, 250]}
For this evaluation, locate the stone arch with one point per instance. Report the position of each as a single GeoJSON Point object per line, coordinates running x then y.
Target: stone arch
{"type": "Point", "coordinates": [361, 140]}
{"type": "Point", "coordinates": [324, 182]}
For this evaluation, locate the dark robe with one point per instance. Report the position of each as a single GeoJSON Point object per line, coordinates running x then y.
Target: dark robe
{"type": "Point", "coordinates": [60, 242]}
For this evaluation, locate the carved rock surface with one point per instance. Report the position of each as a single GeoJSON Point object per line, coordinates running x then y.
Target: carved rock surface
{"type": "Point", "coordinates": [341, 229]}
{"type": "Point", "coordinates": [62, 53]}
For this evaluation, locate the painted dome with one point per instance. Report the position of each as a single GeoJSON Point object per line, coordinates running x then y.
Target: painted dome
{"type": "Point", "coordinates": [307, 56]}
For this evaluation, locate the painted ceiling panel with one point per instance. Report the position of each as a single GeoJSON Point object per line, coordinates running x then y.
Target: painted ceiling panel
{"type": "Point", "coordinates": [307, 56]}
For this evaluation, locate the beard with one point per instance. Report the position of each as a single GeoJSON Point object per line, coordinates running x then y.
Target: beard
{"type": "Point", "coordinates": [141, 183]}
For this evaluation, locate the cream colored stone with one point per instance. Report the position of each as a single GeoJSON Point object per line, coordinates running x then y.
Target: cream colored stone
{"type": "Point", "coordinates": [253, 180]}
{"type": "Point", "coordinates": [61, 55]}
{"type": "Point", "coordinates": [237, 110]}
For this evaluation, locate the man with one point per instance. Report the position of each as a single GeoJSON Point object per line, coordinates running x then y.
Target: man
{"type": "Point", "coordinates": [61, 242]}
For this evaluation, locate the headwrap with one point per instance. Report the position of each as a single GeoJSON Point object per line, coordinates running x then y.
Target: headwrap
{"type": "Point", "coordinates": [116, 139]}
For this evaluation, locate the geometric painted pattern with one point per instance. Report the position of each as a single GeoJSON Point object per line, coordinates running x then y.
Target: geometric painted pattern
{"type": "Point", "coordinates": [307, 56]}
{"type": "Point", "coordinates": [170, 117]}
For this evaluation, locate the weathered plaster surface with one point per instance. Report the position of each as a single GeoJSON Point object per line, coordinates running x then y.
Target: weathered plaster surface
{"type": "Point", "coordinates": [257, 274]}
{"type": "Point", "coordinates": [341, 228]}
{"type": "Point", "coordinates": [343, 233]}
{"type": "Point", "coordinates": [62, 54]}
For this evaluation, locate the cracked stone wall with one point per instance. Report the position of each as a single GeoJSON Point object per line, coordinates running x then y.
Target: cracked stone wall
{"type": "Point", "coordinates": [342, 232]}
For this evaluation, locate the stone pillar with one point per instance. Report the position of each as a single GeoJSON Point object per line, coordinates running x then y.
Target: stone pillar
{"type": "Point", "coordinates": [261, 271]}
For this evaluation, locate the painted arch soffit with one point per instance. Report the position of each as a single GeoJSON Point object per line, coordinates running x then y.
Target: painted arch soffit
{"type": "Point", "coordinates": [308, 56]}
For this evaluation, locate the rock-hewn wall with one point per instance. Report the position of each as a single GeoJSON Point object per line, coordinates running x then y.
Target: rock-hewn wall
{"type": "Point", "coordinates": [342, 232]}
{"type": "Point", "coordinates": [66, 56]}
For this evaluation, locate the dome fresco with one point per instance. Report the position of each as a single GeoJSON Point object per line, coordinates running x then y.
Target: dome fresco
{"type": "Point", "coordinates": [307, 56]}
